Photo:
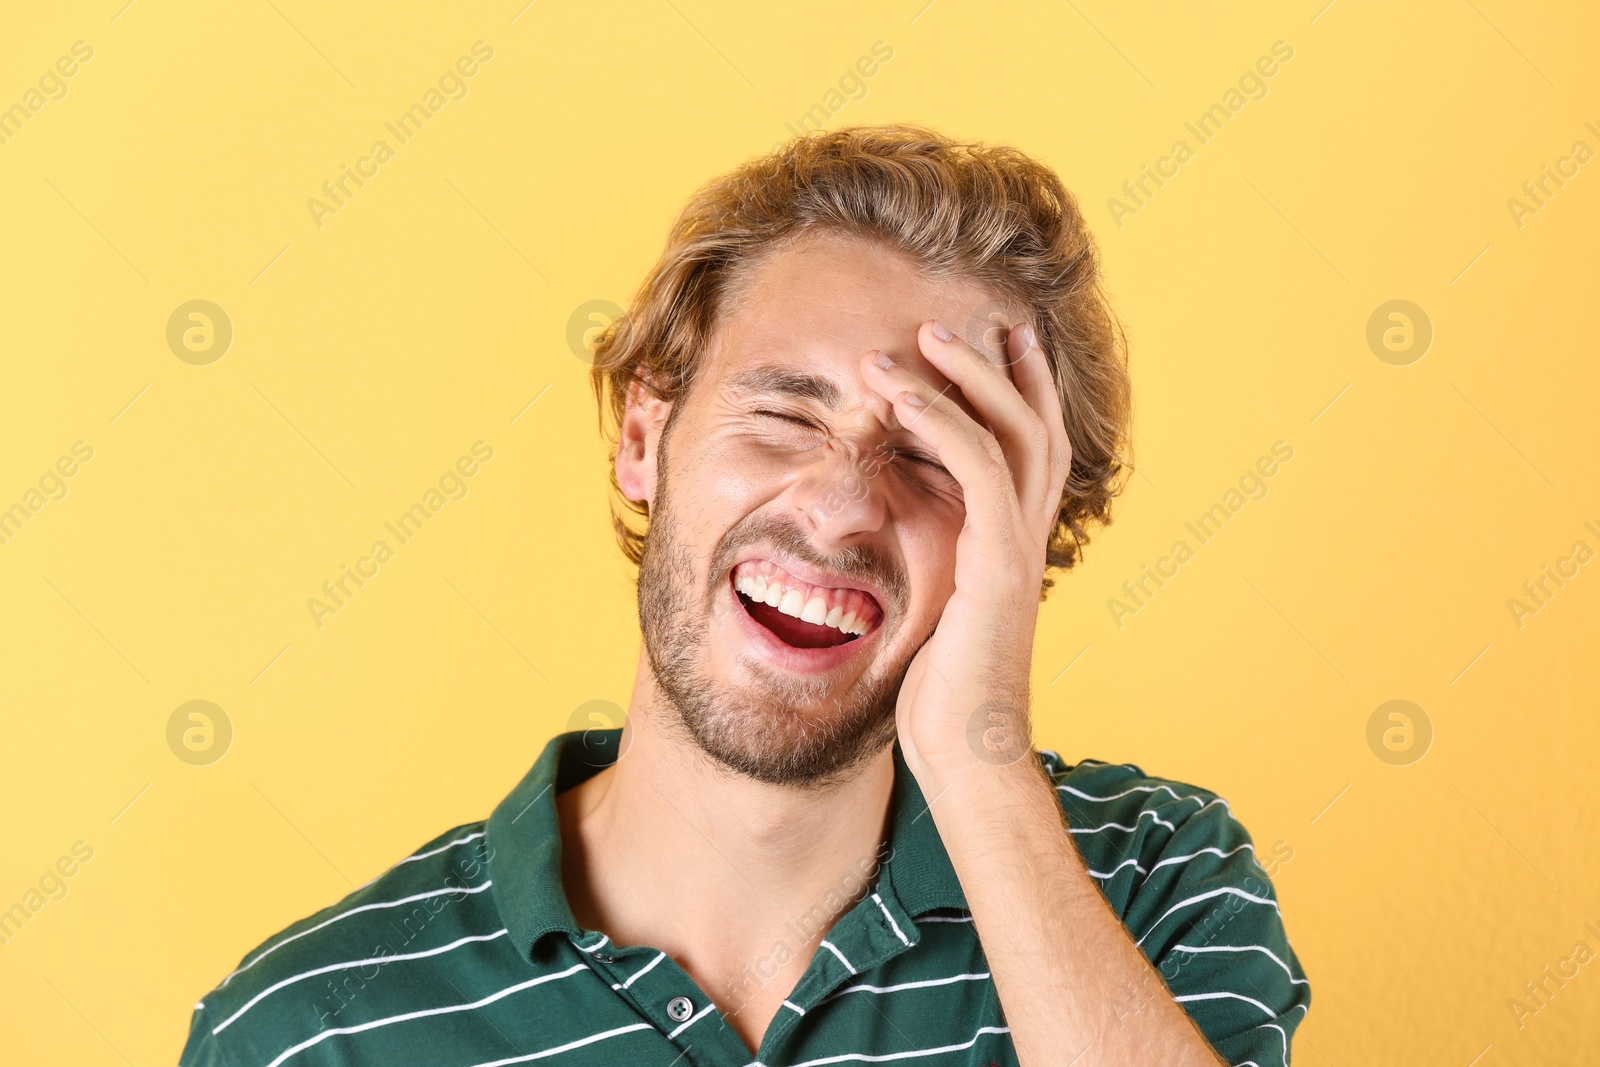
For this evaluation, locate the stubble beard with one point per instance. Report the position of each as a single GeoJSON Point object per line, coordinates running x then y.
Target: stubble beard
{"type": "Point", "coordinates": [778, 728]}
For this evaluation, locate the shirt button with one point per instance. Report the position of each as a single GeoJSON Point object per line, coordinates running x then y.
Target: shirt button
{"type": "Point", "coordinates": [680, 1008]}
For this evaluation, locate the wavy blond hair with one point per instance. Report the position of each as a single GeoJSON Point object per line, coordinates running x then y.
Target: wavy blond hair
{"type": "Point", "coordinates": [986, 214]}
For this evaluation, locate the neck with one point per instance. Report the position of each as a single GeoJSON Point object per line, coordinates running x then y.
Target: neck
{"type": "Point", "coordinates": [730, 863]}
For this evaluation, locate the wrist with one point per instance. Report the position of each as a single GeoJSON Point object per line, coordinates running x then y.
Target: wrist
{"type": "Point", "coordinates": [989, 797]}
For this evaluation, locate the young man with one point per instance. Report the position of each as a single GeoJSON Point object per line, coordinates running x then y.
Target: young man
{"type": "Point", "coordinates": [868, 396]}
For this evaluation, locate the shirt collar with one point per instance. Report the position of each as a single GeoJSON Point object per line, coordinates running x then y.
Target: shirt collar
{"type": "Point", "coordinates": [524, 841]}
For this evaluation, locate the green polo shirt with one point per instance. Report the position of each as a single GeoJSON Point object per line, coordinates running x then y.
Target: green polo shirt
{"type": "Point", "coordinates": [465, 954]}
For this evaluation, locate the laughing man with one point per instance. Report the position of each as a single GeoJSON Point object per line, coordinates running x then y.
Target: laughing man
{"type": "Point", "coordinates": [870, 395]}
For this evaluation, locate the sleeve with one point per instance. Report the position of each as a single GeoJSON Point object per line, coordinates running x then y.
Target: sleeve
{"type": "Point", "coordinates": [1207, 918]}
{"type": "Point", "coordinates": [202, 1048]}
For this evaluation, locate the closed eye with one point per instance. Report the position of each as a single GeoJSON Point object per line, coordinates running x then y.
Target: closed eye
{"type": "Point", "coordinates": [919, 458]}
{"type": "Point", "coordinates": [924, 460]}
{"type": "Point", "coordinates": [786, 417]}
{"type": "Point", "coordinates": [932, 464]}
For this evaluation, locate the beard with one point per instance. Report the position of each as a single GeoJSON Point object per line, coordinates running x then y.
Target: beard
{"type": "Point", "coordinates": [778, 728]}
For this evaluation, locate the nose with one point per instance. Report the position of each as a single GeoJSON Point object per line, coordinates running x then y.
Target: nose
{"type": "Point", "coordinates": [838, 495]}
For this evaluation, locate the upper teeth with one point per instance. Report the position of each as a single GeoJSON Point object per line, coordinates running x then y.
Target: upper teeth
{"type": "Point", "coordinates": [845, 610]}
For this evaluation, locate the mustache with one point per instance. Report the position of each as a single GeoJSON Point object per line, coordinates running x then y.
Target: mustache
{"type": "Point", "coordinates": [858, 563]}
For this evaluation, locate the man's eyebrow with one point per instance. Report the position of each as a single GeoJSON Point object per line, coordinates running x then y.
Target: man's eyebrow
{"type": "Point", "coordinates": [783, 381]}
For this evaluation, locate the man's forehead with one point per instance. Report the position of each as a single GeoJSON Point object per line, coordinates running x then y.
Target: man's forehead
{"type": "Point", "coordinates": [814, 311]}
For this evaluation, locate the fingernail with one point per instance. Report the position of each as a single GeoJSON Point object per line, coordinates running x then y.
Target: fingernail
{"type": "Point", "coordinates": [940, 331]}
{"type": "Point", "coordinates": [913, 400]}
{"type": "Point", "coordinates": [882, 359]}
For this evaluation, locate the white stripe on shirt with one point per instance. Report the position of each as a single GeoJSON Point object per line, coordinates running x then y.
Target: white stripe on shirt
{"type": "Point", "coordinates": [1130, 861]}
{"type": "Point", "coordinates": [1223, 995]}
{"type": "Point", "coordinates": [355, 911]}
{"type": "Point", "coordinates": [1118, 826]}
{"type": "Point", "coordinates": [1225, 890]}
{"type": "Point", "coordinates": [380, 960]}
{"type": "Point", "coordinates": [642, 971]}
{"type": "Point", "coordinates": [569, 1046]}
{"type": "Point", "coordinates": [831, 947]}
{"type": "Point", "coordinates": [1281, 1034]}
{"type": "Point", "coordinates": [424, 855]}
{"type": "Point", "coordinates": [1199, 852]}
{"type": "Point", "coordinates": [925, 983]}
{"type": "Point", "coordinates": [1125, 792]}
{"type": "Point", "coordinates": [1245, 948]}
{"type": "Point", "coordinates": [892, 924]}
{"type": "Point", "coordinates": [426, 1012]}
{"type": "Point", "coordinates": [442, 848]}
{"type": "Point", "coordinates": [919, 1053]}
{"type": "Point", "coordinates": [691, 1020]}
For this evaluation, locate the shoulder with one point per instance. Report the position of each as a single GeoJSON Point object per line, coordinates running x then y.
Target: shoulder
{"type": "Point", "coordinates": [1183, 875]}
{"type": "Point", "coordinates": [1116, 809]}
{"type": "Point", "coordinates": [1146, 838]}
{"type": "Point", "coordinates": [298, 981]}
{"type": "Point", "coordinates": [1094, 787]}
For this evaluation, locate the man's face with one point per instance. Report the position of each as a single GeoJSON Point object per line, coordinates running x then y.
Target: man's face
{"type": "Point", "coordinates": [802, 541]}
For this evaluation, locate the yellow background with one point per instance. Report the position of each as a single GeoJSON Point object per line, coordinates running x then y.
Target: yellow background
{"type": "Point", "coordinates": [369, 353]}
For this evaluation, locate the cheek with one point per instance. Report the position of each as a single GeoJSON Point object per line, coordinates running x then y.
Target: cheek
{"type": "Point", "coordinates": [717, 488]}
{"type": "Point", "coordinates": [733, 481]}
{"type": "Point", "coordinates": [735, 474]}
{"type": "Point", "coordinates": [929, 547]}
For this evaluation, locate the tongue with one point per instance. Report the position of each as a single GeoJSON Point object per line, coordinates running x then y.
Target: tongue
{"type": "Point", "coordinates": [795, 631]}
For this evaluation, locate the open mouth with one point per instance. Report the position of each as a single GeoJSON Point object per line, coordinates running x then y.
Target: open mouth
{"type": "Point", "coordinates": [800, 614]}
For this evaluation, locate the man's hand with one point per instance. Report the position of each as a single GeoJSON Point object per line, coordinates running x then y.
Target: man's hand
{"type": "Point", "coordinates": [1059, 955]}
{"type": "Point", "coordinates": [966, 691]}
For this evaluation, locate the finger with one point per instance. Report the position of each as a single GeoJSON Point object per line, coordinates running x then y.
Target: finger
{"type": "Point", "coordinates": [1030, 370]}
{"type": "Point", "coordinates": [967, 450]}
{"type": "Point", "coordinates": [1015, 423]}
{"type": "Point", "coordinates": [890, 380]}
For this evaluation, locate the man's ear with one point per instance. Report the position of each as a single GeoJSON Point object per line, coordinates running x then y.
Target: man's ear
{"type": "Point", "coordinates": [639, 438]}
